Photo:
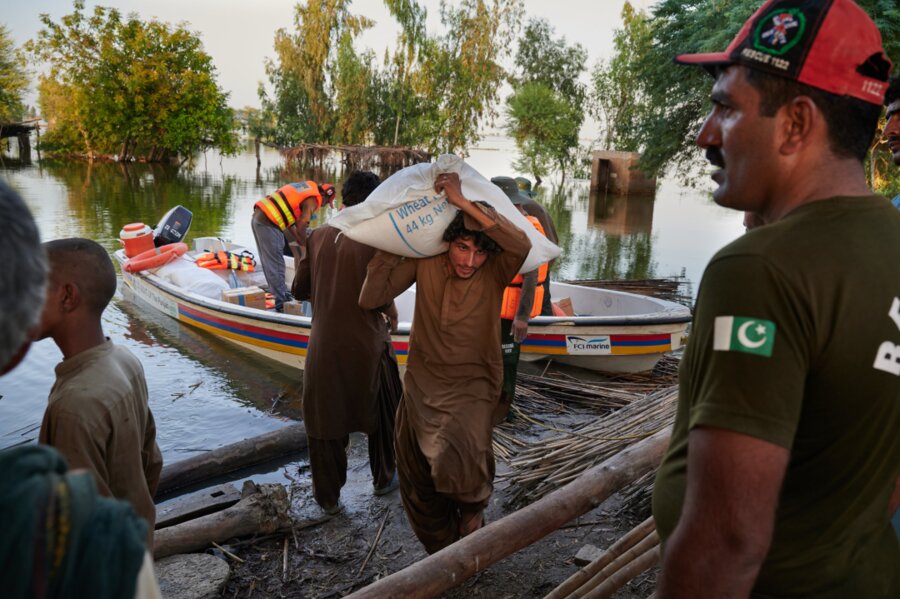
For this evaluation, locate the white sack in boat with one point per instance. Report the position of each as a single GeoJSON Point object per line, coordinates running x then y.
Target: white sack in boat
{"type": "Point", "coordinates": [185, 273]}
{"type": "Point", "coordinates": [405, 216]}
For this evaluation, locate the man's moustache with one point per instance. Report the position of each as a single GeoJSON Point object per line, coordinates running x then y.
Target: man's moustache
{"type": "Point", "coordinates": [715, 157]}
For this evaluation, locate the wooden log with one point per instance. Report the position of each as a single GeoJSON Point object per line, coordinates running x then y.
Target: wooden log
{"type": "Point", "coordinates": [455, 564]}
{"type": "Point", "coordinates": [583, 575]}
{"type": "Point", "coordinates": [196, 504]}
{"type": "Point", "coordinates": [263, 509]}
{"type": "Point", "coordinates": [625, 574]}
{"type": "Point", "coordinates": [647, 543]}
{"type": "Point", "coordinates": [249, 452]}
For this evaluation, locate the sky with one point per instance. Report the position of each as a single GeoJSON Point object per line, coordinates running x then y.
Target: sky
{"type": "Point", "coordinates": [238, 34]}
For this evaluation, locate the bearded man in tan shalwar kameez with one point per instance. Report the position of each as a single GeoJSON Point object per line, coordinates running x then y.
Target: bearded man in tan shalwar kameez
{"type": "Point", "coordinates": [455, 369]}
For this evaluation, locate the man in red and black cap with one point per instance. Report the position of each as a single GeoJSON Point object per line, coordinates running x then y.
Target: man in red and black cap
{"type": "Point", "coordinates": [283, 217]}
{"type": "Point", "coordinates": [780, 476]}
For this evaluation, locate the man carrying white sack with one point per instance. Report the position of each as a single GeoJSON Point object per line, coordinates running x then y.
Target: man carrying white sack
{"type": "Point", "coordinates": [454, 370]}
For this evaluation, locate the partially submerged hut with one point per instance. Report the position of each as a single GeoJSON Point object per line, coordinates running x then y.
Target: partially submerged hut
{"type": "Point", "coordinates": [22, 132]}
{"type": "Point", "coordinates": [617, 173]}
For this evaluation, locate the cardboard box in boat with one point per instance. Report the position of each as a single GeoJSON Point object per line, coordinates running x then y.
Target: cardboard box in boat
{"type": "Point", "coordinates": [294, 307]}
{"type": "Point", "coordinates": [565, 304]}
{"type": "Point", "coordinates": [251, 297]}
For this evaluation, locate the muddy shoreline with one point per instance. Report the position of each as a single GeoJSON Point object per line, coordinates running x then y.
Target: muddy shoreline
{"type": "Point", "coordinates": [325, 558]}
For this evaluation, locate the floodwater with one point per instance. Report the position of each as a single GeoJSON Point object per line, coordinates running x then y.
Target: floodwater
{"type": "Point", "coordinates": [205, 392]}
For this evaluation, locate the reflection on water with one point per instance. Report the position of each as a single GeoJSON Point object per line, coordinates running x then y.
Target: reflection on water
{"type": "Point", "coordinates": [602, 236]}
{"type": "Point", "coordinates": [206, 392]}
{"type": "Point", "coordinates": [278, 390]}
{"type": "Point", "coordinates": [621, 215]}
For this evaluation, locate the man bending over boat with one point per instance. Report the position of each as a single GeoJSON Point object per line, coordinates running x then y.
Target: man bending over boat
{"type": "Point", "coordinates": [454, 370]}
{"type": "Point", "coordinates": [284, 216]}
{"type": "Point", "coordinates": [350, 382]}
{"type": "Point", "coordinates": [98, 415]}
{"type": "Point", "coordinates": [59, 538]}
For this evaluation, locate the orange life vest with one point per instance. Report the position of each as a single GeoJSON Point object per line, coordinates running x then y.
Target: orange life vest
{"type": "Point", "coordinates": [513, 292]}
{"type": "Point", "coordinates": [222, 260]}
{"type": "Point", "coordinates": [283, 206]}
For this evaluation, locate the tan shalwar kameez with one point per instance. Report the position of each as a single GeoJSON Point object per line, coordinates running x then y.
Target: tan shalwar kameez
{"type": "Point", "coordinates": [453, 376]}
{"type": "Point", "coordinates": [99, 419]}
{"type": "Point", "coordinates": [351, 382]}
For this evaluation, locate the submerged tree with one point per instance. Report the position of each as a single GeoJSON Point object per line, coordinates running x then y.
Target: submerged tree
{"type": "Point", "coordinates": [463, 70]}
{"type": "Point", "coordinates": [616, 100]}
{"type": "Point", "coordinates": [306, 69]}
{"type": "Point", "coordinates": [120, 85]}
{"type": "Point", "coordinates": [545, 111]}
{"type": "Point", "coordinates": [13, 79]}
{"type": "Point", "coordinates": [545, 127]}
{"type": "Point", "coordinates": [431, 92]}
{"type": "Point", "coordinates": [672, 100]}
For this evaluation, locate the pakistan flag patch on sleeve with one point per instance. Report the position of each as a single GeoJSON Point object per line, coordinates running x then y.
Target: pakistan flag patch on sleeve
{"type": "Point", "coordinates": [748, 335]}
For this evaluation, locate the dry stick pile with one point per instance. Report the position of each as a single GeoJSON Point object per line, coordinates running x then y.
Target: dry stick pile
{"type": "Point", "coordinates": [674, 289]}
{"type": "Point", "coordinates": [551, 463]}
{"type": "Point", "coordinates": [355, 156]}
{"type": "Point", "coordinates": [541, 398]}
{"type": "Point", "coordinates": [637, 497]}
{"type": "Point", "coordinates": [538, 396]}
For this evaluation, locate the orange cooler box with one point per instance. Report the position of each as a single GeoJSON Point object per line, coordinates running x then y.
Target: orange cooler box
{"type": "Point", "coordinates": [137, 238]}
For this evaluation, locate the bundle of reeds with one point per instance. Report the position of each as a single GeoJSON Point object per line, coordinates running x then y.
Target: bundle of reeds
{"type": "Point", "coordinates": [595, 397]}
{"type": "Point", "coordinates": [547, 464]}
{"type": "Point", "coordinates": [540, 399]}
{"type": "Point", "coordinates": [674, 289]}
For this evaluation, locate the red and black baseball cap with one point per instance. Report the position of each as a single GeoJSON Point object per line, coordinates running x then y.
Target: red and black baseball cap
{"type": "Point", "coordinates": [328, 192]}
{"type": "Point", "coordinates": [832, 45]}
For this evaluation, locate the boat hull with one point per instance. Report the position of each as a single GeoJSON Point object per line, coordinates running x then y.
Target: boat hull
{"type": "Point", "coordinates": [607, 349]}
{"type": "Point", "coordinates": [614, 343]}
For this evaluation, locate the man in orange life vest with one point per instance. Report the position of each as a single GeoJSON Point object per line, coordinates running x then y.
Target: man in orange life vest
{"type": "Point", "coordinates": [522, 301]}
{"type": "Point", "coordinates": [285, 215]}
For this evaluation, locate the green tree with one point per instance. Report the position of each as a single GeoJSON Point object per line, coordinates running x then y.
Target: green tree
{"type": "Point", "coordinates": [431, 92]}
{"type": "Point", "coordinates": [13, 79]}
{"type": "Point", "coordinates": [400, 84]}
{"type": "Point", "coordinates": [545, 127]}
{"type": "Point", "coordinates": [463, 68]}
{"type": "Point", "coordinates": [546, 109]}
{"type": "Point", "coordinates": [137, 89]}
{"type": "Point", "coordinates": [438, 90]}
{"type": "Point", "coordinates": [306, 73]}
{"type": "Point", "coordinates": [673, 100]}
{"type": "Point", "coordinates": [616, 83]}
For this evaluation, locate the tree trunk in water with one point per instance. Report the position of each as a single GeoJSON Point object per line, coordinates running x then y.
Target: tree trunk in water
{"type": "Point", "coordinates": [284, 441]}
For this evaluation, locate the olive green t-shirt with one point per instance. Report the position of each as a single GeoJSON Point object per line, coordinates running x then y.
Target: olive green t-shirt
{"type": "Point", "coordinates": [796, 341]}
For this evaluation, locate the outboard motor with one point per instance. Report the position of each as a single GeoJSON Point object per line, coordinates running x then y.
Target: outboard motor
{"type": "Point", "coordinates": [173, 227]}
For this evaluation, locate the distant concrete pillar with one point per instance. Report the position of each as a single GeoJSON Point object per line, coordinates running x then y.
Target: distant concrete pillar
{"type": "Point", "coordinates": [24, 147]}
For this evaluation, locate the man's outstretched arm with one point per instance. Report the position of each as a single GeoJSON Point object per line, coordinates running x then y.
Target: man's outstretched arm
{"type": "Point", "coordinates": [726, 524]}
